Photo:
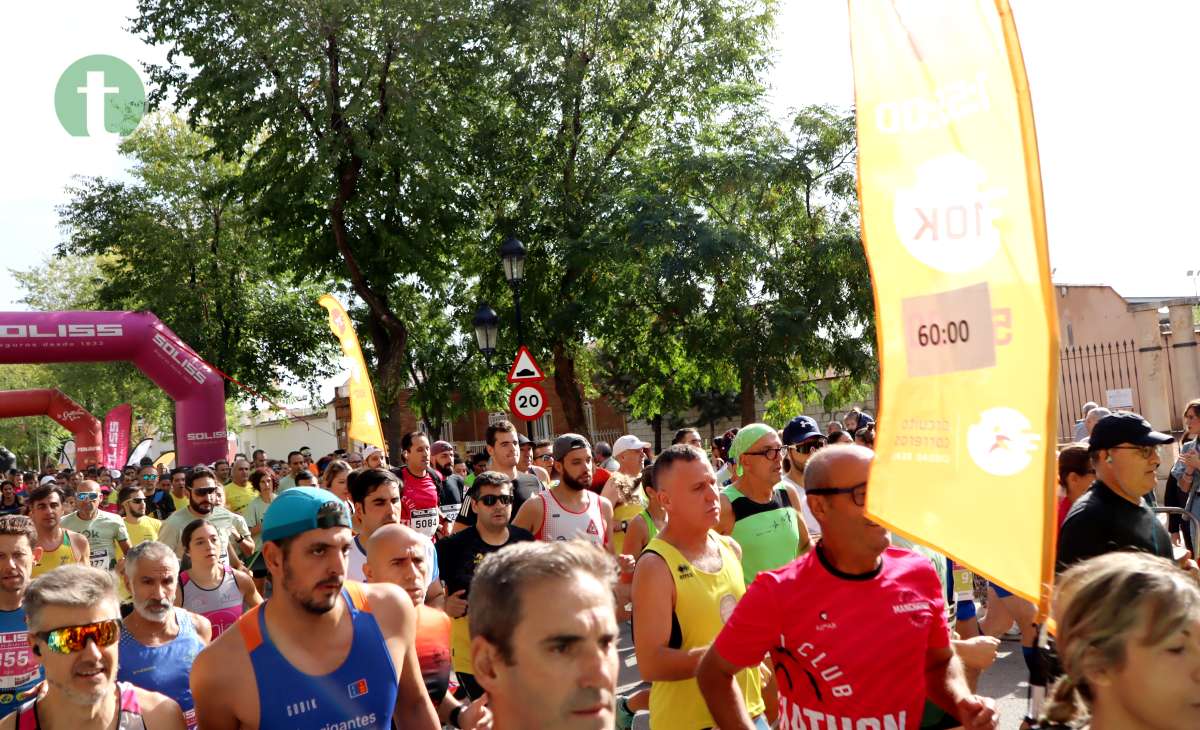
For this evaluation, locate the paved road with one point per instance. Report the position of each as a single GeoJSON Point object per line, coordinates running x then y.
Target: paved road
{"type": "Point", "coordinates": [1005, 680]}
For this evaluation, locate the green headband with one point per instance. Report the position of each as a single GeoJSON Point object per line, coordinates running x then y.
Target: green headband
{"type": "Point", "coordinates": [745, 439]}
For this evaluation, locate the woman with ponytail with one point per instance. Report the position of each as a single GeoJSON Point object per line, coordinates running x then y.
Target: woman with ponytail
{"type": "Point", "coordinates": [1129, 644]}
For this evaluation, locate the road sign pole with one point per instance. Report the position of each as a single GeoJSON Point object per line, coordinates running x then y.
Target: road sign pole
{"type": "Point", "coordinates": [521, 341]}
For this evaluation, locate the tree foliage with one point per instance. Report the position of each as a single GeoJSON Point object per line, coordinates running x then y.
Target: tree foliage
{"type": "Point", "coordinates": [179, 242]}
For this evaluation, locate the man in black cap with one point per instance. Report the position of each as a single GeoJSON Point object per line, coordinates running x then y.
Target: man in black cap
{"type": "Point", "coordinates": [1112, 515]}
{"type": "Point", "coordinates": [802, 437]}
{"type": "Point", "coordinates": [570, 509]}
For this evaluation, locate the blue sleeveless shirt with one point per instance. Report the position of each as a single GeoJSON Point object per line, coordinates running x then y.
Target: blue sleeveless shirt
{"type": "Point", "coordinates": [20, 674]}
{"type": "Point", "coordinates": [163, 668]}
{"type": "Point", "coordinates": [361, 693]}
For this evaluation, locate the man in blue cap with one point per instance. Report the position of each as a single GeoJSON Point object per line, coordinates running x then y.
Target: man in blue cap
{"type": "Point", "coordinates": [802, 437]}
{"type": "Point", "coordinates": [322, 651]}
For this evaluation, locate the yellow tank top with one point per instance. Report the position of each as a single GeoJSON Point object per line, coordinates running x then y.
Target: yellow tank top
{"type": "Point", "coordinates": [703, 602]}
{"type": "Point", "coordinates": [622, 516]}
{"type": "Point", "coordinates": [61, 555]}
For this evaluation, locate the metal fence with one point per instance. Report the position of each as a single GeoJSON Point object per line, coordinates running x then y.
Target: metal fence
{"type": "Point", "coordinates": [1087, 373]}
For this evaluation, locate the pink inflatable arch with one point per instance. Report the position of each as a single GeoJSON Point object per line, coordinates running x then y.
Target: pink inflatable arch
{"type": "Point", "coordinates": [84, 427]}
{"type": "Point", "coordinates": [140, 338]}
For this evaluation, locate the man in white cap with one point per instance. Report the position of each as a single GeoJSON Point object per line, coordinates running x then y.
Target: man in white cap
{"type": "Point", "coordinates": [373, 458]}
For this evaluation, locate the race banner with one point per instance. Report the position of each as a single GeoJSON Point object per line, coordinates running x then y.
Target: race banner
{"type": "Point", "coordinates": [364, 414]}
{"type": "Point", "coordinates": [118, 424]}
{"type": "Point", "coordinates": [955, 234]}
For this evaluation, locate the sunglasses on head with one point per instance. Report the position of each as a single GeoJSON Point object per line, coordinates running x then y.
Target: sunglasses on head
{"type": "Point", "coordinates": [490, 500]}
{"type": "Point", "coordinates": [70, 639]}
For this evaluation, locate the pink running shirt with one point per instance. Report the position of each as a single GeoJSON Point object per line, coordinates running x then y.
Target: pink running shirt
{"type": "Point", "coordinates": [848, 651]}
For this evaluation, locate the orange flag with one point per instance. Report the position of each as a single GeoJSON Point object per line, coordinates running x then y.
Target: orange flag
{"type": "Point", "coordinates": [955, 234]}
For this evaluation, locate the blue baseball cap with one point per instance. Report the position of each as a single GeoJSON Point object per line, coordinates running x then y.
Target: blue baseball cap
{"type": "Point", "coordinates": [301, 509]}
{"type": "Point", "coordinates": [800, 428]}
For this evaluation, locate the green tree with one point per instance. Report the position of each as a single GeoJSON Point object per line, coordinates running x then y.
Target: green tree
{"type": "Point", "coordinates": [179, 242]}
{"type": "Point", "coordinates": [358, 114]}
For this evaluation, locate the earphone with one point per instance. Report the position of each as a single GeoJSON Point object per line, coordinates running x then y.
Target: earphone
{"type": "Point", "coordinates": [1108, 460]}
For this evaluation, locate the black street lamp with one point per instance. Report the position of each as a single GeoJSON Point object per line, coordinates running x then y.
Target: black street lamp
{"type": "Point", "coordinates": [512, 255]}
{"type": "Point", "coordinates": [487, 324]}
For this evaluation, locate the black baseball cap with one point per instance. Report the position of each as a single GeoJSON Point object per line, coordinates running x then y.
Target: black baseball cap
{"type": "Point", "coordinates": [567, 443]}
{"type": "Point", "coordinates": [1125, 428]}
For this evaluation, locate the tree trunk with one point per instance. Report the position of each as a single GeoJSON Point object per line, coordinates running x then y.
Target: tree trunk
{"type": "Point", "coordinates": [568, 391]}
{"type": "Point", "coordinates": [747, 396]}
{"type": "Point", "coordinates": [656, 422]}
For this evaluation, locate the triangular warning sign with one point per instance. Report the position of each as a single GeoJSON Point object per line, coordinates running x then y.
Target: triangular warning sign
{"type": "Point", "coordinates": [525, 369]}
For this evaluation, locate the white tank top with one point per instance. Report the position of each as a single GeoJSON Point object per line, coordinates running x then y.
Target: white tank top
{"type": "Point", "coordinates": [222, 605]}
{"type": "Point", "coordinates": [560, 523]}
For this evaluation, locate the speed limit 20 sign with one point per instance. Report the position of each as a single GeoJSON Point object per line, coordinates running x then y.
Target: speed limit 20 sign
{"type": "Point", "coordinates": [527, 401]}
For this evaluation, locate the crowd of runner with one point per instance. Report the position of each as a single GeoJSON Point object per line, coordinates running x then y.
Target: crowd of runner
{"type": "Point", "coordinates": [488, 592]}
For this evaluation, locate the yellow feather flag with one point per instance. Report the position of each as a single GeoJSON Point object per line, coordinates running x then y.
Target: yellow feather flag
{"type": "Point", "coordinates": [364, 413]}
{"type": "Point", "coordinates": [955, 234]}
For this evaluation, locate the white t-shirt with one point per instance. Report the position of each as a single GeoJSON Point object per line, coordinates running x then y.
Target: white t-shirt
{"type": "Point", "coordinates": [814, 527]}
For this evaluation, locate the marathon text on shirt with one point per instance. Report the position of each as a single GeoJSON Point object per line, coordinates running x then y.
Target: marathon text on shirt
{"type": "Point", "coordinates": [794, 717]}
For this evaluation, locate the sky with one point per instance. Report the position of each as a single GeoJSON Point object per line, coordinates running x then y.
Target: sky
{"type": "Point", "coordinates": [1112, 94]}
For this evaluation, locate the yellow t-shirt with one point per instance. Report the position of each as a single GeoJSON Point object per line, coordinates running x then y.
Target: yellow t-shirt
{"type": "Point", "coordinates": [703, 602]}
{"type": "Point", "coordinates": [237, 496]}
{"type": "Point", "coordinates": [146, 528]}
{"type": "Point", "coordinates": [180, 502]}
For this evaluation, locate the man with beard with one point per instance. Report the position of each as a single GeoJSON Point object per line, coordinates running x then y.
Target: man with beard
{"type": "Point", "coordinates": [103, 530]}
{"type": "Point", "coordinates": [570, 509]}
{"type": "Point", "coordinates": [459, 555]}
{"type": "Point", "coordinates": [57, 546]}
{"type": "Point", "coordinates": [20, 674]}
{"type": "Point", "coordinates": [74, 628]}
{"type": "Point", "coordinates": [321, 652]}
{"type": "Point", "coordinates": [231, 527]}
{"type": "Point", "coordinates": [159, 642]}
{"type": "Point", "coordinates": [451, 487]}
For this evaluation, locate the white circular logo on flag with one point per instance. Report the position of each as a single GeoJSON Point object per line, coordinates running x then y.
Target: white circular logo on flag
{"type": "Point", "coordinates": [1002, 442]}
{"type": "Point", "coordinates": [946, 221]}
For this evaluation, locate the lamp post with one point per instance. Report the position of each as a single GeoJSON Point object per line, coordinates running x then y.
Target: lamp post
{"type": "Point", "coordinates": [486, 322]}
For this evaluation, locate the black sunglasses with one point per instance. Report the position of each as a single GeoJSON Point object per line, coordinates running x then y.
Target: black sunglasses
{"type": "Point", "coordinates": [490, 500]}
{"type": "Point", "coordinates": [137, 500]}
{"type": "Point", "coordinates": [858, 492]}
{"type": "Point", "coordinates": [203, 491]}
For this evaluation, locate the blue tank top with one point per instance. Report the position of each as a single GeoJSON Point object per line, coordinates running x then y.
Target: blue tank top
{"type": "Point", "coordinates": [19, 673]}
{"type": "Point", "coordinates": [163, 668]}
{"type": "Point", "coordinates": [361, 693]}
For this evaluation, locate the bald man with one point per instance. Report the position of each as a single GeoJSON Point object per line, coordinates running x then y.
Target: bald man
{"type": "Point", "coordinates": [104, 531]}
{"type": "Point", "coordinates": [397, 554]}
{"type": "Point", "coordinates": [865, 637]}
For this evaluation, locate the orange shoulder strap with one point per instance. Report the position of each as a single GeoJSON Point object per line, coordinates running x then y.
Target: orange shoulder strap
{"type": "Point", "coordinates": [357, 597]}
{"type": "Point", "coordinates": [248, 627]}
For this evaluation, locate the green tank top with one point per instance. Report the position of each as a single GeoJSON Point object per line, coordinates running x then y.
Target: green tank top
{"type": "Point", "coordinates": [651, 528]}
{"type": "Point", "coordinates": [703, 603]}
{"type": "Point", "coordinates": [768, 533]}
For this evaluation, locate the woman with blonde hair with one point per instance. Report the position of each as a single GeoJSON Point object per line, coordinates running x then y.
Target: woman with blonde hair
{"type": "Point", "coordinates": [1128, 640]}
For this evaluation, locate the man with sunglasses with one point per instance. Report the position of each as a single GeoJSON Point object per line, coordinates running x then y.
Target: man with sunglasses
{"type": "Point", "coordinates": [231, 527]}
{"type": "Point", "coordinates": [856, 628]}
{"type": "Point", "coordinates": [322, 651]}
{"type": "Point", "coordinates": [758, 510]}
{"type": "Point", "coordinates": [543, 457]}
{"type": "Point", "coordinates": [74, 631]}
{"type": "Point", "coordinates": [460, 553]}
{"type": "Point", "coordinates": [1112, 515]}
{"type": "Point", "coordinates": [802, 437]}
{"type": "Point", "coordinates": [140, 528]}
{"type": "Point", "coordinates": [103, 530]}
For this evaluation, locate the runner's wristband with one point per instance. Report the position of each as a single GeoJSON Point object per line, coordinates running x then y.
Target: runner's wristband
{"type": "Point", "coordinates": [455, 714]}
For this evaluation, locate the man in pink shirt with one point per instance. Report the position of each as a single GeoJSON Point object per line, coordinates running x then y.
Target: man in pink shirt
{"type": "Point", "coordinates": [863, 638]}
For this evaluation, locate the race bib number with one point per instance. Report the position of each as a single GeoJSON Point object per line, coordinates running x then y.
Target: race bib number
{"type": "Point", "coordinates": [102, 559]}
{"type": "Point", "coordinates": [450, 511]}
{"type": "Point", "coordinates": [17, 667]}
{"type": "Point", "coordinates": [425, 521]}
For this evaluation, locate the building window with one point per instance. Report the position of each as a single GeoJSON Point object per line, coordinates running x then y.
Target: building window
{"type": "Point", "coordinates": [589, 417]}
{"type": "Point", "coordinates": [543, 428]}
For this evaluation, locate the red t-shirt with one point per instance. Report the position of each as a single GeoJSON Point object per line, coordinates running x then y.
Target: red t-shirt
{"type": "Point", "coordinates": [848, 651]}
{"type": "Point", "coordinates": [419, 502]}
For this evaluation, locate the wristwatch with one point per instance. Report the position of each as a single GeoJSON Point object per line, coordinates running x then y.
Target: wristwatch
{"type": "Point", "coordinates": [455, 714]}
